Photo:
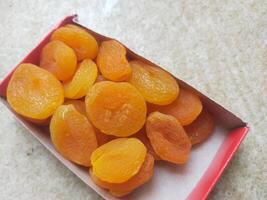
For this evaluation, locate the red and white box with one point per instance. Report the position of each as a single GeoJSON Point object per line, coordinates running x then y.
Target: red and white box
{"type": "Point", "coordinates": [192, 181]}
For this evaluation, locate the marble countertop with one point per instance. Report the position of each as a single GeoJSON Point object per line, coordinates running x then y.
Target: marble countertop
{"type": "Point", "coordinates": [220, 47]}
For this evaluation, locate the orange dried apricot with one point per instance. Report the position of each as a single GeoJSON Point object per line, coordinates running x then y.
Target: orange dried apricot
{"type": "Point", "coordinates": [121, 189]}
{"type": "Point", "coordinates": [112, 61]}
{"type": "Point", "coordinates": [34, 92]}
{"type": "Point", "coordinates": [201, 128]}
{"type": "Point", "coordinates": [168, 138]}
{"type": "Point", "coordinates": [156, 85]}
{"type": "Point", "coordinates": [59, 59]}
{"type": "Point", "coordinates": [82, 80]}
{"type": "Point", "coordinates": [116, 108]}
{"type": "Point", "coordinates": [73, 135]}
{"type": "Point", "coordinates": [118, 160]}
{"type": "Point", "coordinates": [141, 135]}
{"type": "Point", "coordinates": [81, 41]}
{"type": "Point", "coordinates": [78, 104]}
{"type": "Point", "coordinates": [185, 108]}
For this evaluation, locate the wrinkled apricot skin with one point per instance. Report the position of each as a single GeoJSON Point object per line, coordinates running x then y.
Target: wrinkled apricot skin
{"type": "Point", "coordinates": [79, 105]}
{"type": "Point", "coordinates": [141, 135]}
{"type": "Point", "coordinates": [59, 59]}
{"type": "Point", "coordinates": [156, 85]}
{"type": "Point", "coordinates": [201, 128]}
{"type": "Point", "coordinates": [82, 80]}
{"type": "Point", "coordinates": [185, 108]}
{"type": "Point", "coordinates": [168, 138]}
{"type": "Point", "coordinates": [34, 92]}
{"type": "Point", "coordinates": [73, 135]}
{"type": "Point", "coordinates": [82, 42]}
{"type": "Point", "coordinates": [116, 108]}
{"type": "Point", "coordinates": [121, 189]}
{"type": "Point", "coordinates": [112, 61]}
{"type": "Point", "coordinates": [118, 160]}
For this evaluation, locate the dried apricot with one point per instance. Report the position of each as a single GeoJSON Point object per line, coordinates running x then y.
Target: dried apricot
{"type": "Point", "coordinates": [82, 80]}
{"type": "Point", "coordinates": [121, 189]}
{"type": "Point", "coordinates": [116, 108]}
{"type": "Point", "coordinates": [78, 104]}
{"type": "Point", "coordinates": [112, 61]}
{"type": "Point", "coordinates": [201, 128]}
{"type": "Point", "coordinates": [118, 160]}
{"type": "Point", "coordinates": [156, 85]}
{"type": "Point", "coordinates": [73, 135]}
{"type": "Point", "coordinates": [141, 135]}
{"type": "Point", "coordinates": [59, 59]}
{"type": "Point", "coordinates": [34, 92]}
{"type": "Point", "coordinates": [168, 138]}
{"type": "Point", "coordinates": [82, 42]}
{"type": "Point", "coordinates": [185, 108]}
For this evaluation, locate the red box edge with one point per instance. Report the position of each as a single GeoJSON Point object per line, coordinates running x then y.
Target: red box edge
{"type": "Point", "coordinates": [218, 164]}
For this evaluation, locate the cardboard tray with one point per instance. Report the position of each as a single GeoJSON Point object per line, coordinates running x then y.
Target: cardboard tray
{"type": "Point", "coordinates": [191, 181]}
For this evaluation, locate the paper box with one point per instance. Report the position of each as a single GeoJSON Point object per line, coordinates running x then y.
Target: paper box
{"type": "Point", "coordinates": [191, 181]}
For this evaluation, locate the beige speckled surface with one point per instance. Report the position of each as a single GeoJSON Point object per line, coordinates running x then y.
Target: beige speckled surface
{"type": "Point", "coordinates": [220, 47]}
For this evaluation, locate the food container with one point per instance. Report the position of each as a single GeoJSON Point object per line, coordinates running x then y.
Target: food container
{"type": "Point", "coordinates": [191, 181]}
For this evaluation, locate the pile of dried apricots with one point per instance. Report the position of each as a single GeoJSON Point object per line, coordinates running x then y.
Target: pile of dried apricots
{"type": "Point", "coordinates": [106, 111]}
